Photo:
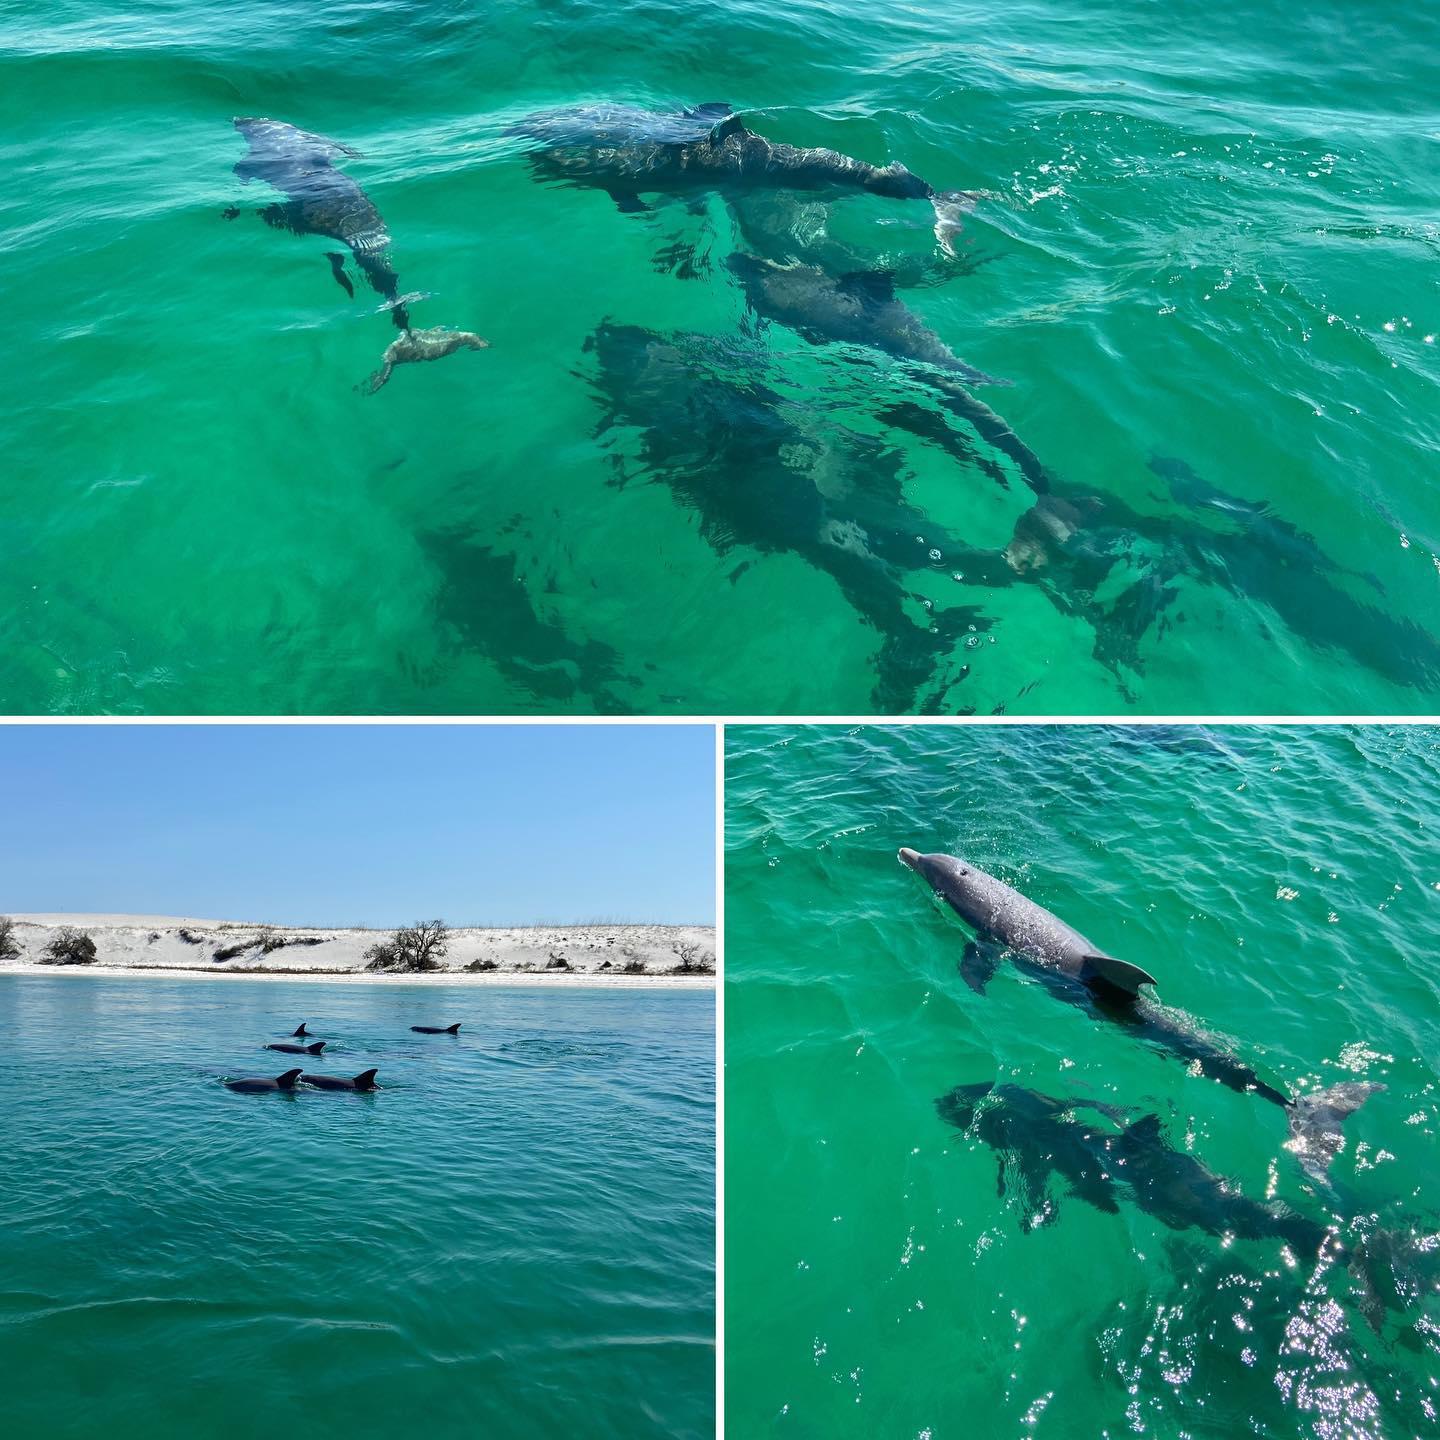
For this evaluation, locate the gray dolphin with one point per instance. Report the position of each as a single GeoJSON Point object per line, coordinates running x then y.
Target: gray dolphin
{"type": "Point", "coordinates": [288, 1049]}
{"type": "Point", "coordinates": [437, 1029]}
{"type": "Point", "coordinates": [320, 200]}
{"type": "Point", "coordinates": [1076, 970]}
{"type": "Point", "coordinates": [629, 152]}
{"type": "Point", "coordinates": [254, 1085]}
{"type": "Point", "coordinates": [365, 1080]}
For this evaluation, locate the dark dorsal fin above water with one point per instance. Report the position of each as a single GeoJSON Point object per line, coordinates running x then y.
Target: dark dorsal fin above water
{"type": "Point", "coordinates": [876, 285]}
{"type": "Point", "coordinates": [1119, 973]}
{"type": "Point", "coordinates": [731, 125]}
{"type": "Point", "coordinates": [288, 1079]}
{"type": "Point", "coordinates": [365, 1080]}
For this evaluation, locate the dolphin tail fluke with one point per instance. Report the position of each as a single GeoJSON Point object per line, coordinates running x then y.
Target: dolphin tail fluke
{"type": "Point", "coordinates": [316, 1048]}
{"type": "Point", "coordinates": [950, 206]}
{"type": "Point", "coordinates": [1119, 973]}
{"type": "Point", "coordinates": [365, 1080]}
{"type": "Point", "coordinates": [1316, 1118]}
{"type": "Point", "coordinates": [453, 1029]}
{"type": "Point", "coordinates": [288, 1079]}
{"type": "Point", "coordinates": [374, 381]}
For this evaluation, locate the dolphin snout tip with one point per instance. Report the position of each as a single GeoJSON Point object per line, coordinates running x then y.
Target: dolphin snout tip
{"type": "Point", "coordinates": [908, 856]}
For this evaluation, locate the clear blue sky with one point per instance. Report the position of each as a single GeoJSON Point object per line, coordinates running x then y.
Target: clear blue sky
{"type": "Point", "coordinates": [360, 824]}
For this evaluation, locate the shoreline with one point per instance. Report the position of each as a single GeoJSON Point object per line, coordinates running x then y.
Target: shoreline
{"type": "Point", "coordinates": [557, 980]}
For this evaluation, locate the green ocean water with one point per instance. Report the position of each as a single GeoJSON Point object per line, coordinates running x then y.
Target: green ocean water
{"type": "Point", "coordinates": [514, 1237]}
{"type": "Point", "coordinates": [886, 1275]}
{"type": "Point", "coordinates": [1209, 237]}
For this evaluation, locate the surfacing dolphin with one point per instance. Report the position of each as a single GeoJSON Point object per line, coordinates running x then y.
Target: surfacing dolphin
{"type": "Point", "coordinates": [256, 1084]}
{"type": "Point", "coordinates": [437, 1029]}
{"type": "Point", "coordinates": [320, 200]}
{"type": "Point", "coordinates": [365, 1080]}
{"type": "Point", "coordinates": [629, 152]}
{"type": "Point", "coordinates": [1076, 970]}
{"type": "Point", "coordinates": [288, 1048]}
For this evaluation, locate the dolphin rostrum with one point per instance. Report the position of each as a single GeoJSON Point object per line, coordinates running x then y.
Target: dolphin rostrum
{"type": "Point", "coordinates": [1077, 970]}
{"type": "Point", "coordinates": [629, 152]}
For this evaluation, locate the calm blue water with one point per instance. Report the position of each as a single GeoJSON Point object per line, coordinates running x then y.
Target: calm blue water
{"type": "Point", "coordinates": [513, 1238]}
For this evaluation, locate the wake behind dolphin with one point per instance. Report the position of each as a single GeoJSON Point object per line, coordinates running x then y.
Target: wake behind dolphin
{"type": "Point", "coordinates": [1077, 971]}
{"type": "Point", "coordinates": [629, 152]}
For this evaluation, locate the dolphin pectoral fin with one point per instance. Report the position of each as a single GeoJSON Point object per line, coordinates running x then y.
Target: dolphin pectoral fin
{"type": "Point", "coordinates": [1119, 973]}
{"type": "Point", "coordinates": [337, 269]}
{"type": "Point", "coordinates": [979, 964]}
{"type": "Point", "coordinates": [628, 203]}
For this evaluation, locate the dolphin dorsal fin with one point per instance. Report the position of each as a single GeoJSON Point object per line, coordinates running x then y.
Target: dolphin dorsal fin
{"type": "Point", "coordinates": [366, 1078]}
{"type": "Point", "coordinates": [1119, 973]}
{"type": "Point", "coordinates": [316, 1048]}
{"type": "Point", "coordinates": [877, 285]}
{"type": "Point", "coordinates": [1146, 1129]}
{"type": "Point", "coordinates": [730, 125]}
{"type": "Point", "coordinates": [288, 1079]}
{"type": "Point", "coordinates": [453, 1029]}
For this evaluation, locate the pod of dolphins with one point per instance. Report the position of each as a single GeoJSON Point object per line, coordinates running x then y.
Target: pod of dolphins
{"type": "Point", "coordinates": [300, 1043]}
{"type": "Point", "coordinates": [780, 476]}
{"type": "Point", "coordinates": [1036, 1135]}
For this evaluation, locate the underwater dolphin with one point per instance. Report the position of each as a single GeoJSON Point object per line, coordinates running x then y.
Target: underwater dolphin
{"type": "Point", "coordinates": [1076, 970]}
{"type": "Point", "coordinates": [437, 1029]}
{"type": "Point", "coordinates": [771, 475]}
{"type": "Point", "coordinates": [365, 1080]}
{"type": "Point", "coordinates": [287, 1048]}
{"type": "Point", "coordinates": [629, 152]}
{"type": "Point", "coordinates": [320, 200]}
{"type": "Point", "coordinates": [253, 1085]}
{"type": "Point", "coordinates": [1037, 1135]}
{"type": "Point", "coordinates": [863, 309]}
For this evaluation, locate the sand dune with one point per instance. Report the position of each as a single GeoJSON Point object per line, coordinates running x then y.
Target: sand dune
{"type": "Point", "coordinates": [559, 954]}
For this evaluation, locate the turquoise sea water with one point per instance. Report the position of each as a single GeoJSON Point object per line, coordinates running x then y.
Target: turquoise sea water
{"type": "Point", "coordinates": [890, 1274]}
{"type": "Point", "coordinates": [514, 1237]}
{"type": "Point", "coordinates": [1209, 241]}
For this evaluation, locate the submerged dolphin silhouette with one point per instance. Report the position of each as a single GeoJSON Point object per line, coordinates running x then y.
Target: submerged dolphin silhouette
{"type": "Point", "coordinates": [768, 474]}
{"type": "Point", "coordinates": [1037, 1135]}
{"type": "Point", "coordinates": [1076, 970]}
{"type": "Point", "coordinates": [863, 309]}
{"type": "Point", "coordinates": [629, 152]}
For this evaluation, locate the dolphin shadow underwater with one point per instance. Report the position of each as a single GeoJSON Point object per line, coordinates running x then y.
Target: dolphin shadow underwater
{"type": "Point", "coordinates": [321, 200]}
{"type": "Point", "coordinates": [761, 472]}
{"type": "Point", "coordinates": [1076, 970]}
{"type": "Point", "coordinates": [1037, 1137]}
{"type": "Point", "coordinates": [629, 152]}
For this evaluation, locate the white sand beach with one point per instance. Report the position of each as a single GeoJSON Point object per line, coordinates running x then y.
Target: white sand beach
{"type": "Point", "coordinates": [620, 955]}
